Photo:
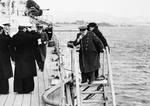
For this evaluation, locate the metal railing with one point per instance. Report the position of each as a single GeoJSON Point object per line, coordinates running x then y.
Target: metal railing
{"type": "Point", "coordinates": [64, 84]}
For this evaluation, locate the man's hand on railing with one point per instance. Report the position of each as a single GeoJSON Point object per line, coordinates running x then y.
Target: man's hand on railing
{"type": "Point", "coordinates": [108, 48]}
{"type": "Point", "coordinates": [70, 44]}
{"type": "Point", "coordinates": [103, 50]}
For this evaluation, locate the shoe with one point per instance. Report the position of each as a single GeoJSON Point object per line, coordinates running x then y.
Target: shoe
{"type": "Point", "coordinates": [83, 81]}
{"type": "Point", "coordinates": [90, 82]}
{"type": "Point", "coordinates": [24, 92]}
{"type": "Point", "coordinates": [20, 92]}
{"type": "Point", "coordinates": [4, 93]}
{"type": "Point", "coordinates": [98, 78]}
{"type": "Point", "coordinates": [40, 69]}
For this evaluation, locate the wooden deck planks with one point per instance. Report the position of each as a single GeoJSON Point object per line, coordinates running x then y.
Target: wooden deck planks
{"type": "Point", "coordinates": [10, 99]}
{"type": "Point", "coordinates": [34, 95]}
{"type": "Point", "coordinates": [18, 100]}
{"type": "Point", "coordinates": [41, 88]}
{"type": "Point", "coordinates": [46, 73]}
{"type": "Point", "coordinates": [3, 99]}
{"type": "Point", "coordinates": [26, 100]}
{"type": "Point", "coordinates": [34, 98]}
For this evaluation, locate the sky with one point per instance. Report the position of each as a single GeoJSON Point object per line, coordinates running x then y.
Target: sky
{"type": "Point", "coordinates": [97, 9]}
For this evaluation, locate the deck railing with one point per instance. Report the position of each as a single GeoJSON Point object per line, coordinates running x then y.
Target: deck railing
{"type": "Point", "coordinates": [64, 84]}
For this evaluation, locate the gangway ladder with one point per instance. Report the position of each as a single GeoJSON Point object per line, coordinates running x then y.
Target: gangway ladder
{"type": "Point", "coordinates": [99, 86]}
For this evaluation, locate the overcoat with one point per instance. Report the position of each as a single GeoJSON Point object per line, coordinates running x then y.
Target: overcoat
{"type": "Point", "coordinates": [42, 47]}
{"type": "Point", "coordinates": [88, 53]}
{"type": "Point", "coordinates": [5, 63]}
{"type": "Point", "coordinates": [24, 54]}
{"type": "Point", "coordinates": [100, 36]}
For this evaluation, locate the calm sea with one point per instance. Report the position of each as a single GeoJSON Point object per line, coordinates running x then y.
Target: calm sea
{"type": "Point", "coordinates": [130, 58]}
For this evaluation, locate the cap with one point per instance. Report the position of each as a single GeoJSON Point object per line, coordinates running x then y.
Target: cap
{"type": "Point", "coordinates": [82, 28]}
{"type": "Point", "coordinates": [24, 21]}
{"type": "Point", "coordinates": [25, 24]}
{"type": "Point", "coordinates": [39, 26]}
{"type": "Point", "coordinates": [21, 27]}
{"type": "Point", "coordinates": [6, 24]}
{"type": "Point", "coordinates": [1, 27]}
{"type": "Point", "coordinates": [92, 24]}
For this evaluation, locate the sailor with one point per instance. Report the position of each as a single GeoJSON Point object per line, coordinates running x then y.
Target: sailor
{"type": "Point", "coordinates": [5, 62]}
{"type": "Point", "coordinates": [49, 31]}
{"type": "Point", "coordinates": [88, 56]}
{"type": "Point", "coordinates": [25, 67]}
{"type": "Point", "coordinates": [41, 47]}
{"type": "Point", "coordinates": [7, 28]}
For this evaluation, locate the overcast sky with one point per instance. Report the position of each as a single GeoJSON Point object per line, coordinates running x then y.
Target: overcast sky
{"type": "Point", "coordinates": [93, 9]}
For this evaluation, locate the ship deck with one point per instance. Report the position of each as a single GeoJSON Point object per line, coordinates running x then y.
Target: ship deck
{"type": "Point", "coordinates": [31, 99]}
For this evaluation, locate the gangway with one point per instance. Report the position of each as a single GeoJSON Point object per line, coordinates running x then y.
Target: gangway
{"type": "Point", "coordinates": [73, 93]}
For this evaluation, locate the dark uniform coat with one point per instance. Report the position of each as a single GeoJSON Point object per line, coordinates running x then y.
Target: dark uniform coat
{"type": "Point", "coordinates": [40, 54]}
{"type": "Point", "coordinates": [100, 36]}
{"type": "Point", "coordinates": [49, 32]}
{"type": "Point", "coordinates": [5, 63]}
{"type": "Point", "coordinates": [42, 47]}
{"type": "Point", "coordinates": [88, 53]}
{"type": "Point", "coordinates": [24, 59]}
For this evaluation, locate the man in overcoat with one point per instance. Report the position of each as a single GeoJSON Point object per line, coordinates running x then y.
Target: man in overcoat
{"type": "Point", "coordinates": [94, 28]}
{"type": "Point", "coordinates": [25, 67]}
{"type": "Point", "coordinates": [5, 62]}
{"type": "Point", "coordinates": [88, 55]}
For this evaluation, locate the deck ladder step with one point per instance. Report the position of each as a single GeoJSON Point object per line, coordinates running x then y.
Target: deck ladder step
{"type": "Point", "coordinates": [93, 92]}
{"type": "Point", "coordinates": [93, 101]}
{"type": "Point", "coordinates": [95, 83]}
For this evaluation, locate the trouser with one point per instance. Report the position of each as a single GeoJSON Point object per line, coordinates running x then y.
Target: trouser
{"type": "Point", "coordinates": [40, 65]}
{"type": "Point", "coordinates": [88, 76]}
{"type": "Point", "coordinates": [39, 60]}
{"type": "Point", "coordinates": [4, 86]}
{"type": "Point", "coordinates": [24, 85]}
{"type": "Point", "coordinates": [96, 73]}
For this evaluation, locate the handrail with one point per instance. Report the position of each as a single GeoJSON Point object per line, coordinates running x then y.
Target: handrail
{"type": "Point", "coordinates": [103, 64]}
{"type": "Point", "coordinates": [60, 85]}
{"type": "Point", "coordinates": [75, 75]}
{"type": "Point", "coordinates": [110, 77]}
{"type": "Point", "coordinates": [75, 70]}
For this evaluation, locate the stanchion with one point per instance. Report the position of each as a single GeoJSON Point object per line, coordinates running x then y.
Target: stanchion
{"type": "Point", "coordinates": [75, 70]}
{"type": "Point", "coordinates": [110, 77]}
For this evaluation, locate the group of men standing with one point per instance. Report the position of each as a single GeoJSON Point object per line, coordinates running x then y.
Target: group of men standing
{"type": "Point", "coordinates": [25, 48]}
{"type": "Point", "coordinates": [91, 42]}
{"type": "Point", "coordinates": [28, 46]}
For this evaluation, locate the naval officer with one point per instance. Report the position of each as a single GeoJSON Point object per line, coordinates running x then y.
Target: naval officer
{"type": "Point", "coordinates": [25, 67]}
{"type": "Point", "coordinates": [5, 62]}
{"type": "Point", "coordinates": [88, 55]}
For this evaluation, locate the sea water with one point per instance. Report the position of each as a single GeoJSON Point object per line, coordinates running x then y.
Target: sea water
{"type": "Point", "coordinates": [130, 60]}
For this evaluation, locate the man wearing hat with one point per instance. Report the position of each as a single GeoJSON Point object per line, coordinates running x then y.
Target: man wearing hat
{"type": "Point", "coordinates": [82, 32]}
{"type": "Point", "coordinates": [94, 28]}
{"type": "Point", "coordinates": [5, 62]}
{"type": "Point", "coordinates": [25, 67]}
{"type": "Point", "coordinates": [88, 56]}
{"type": "Point", "coordinates": [41, 50]}
{"type": "Point", "coordinates": [49, 31]}
{"type": "Point", "coordinates": [7, 28]}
